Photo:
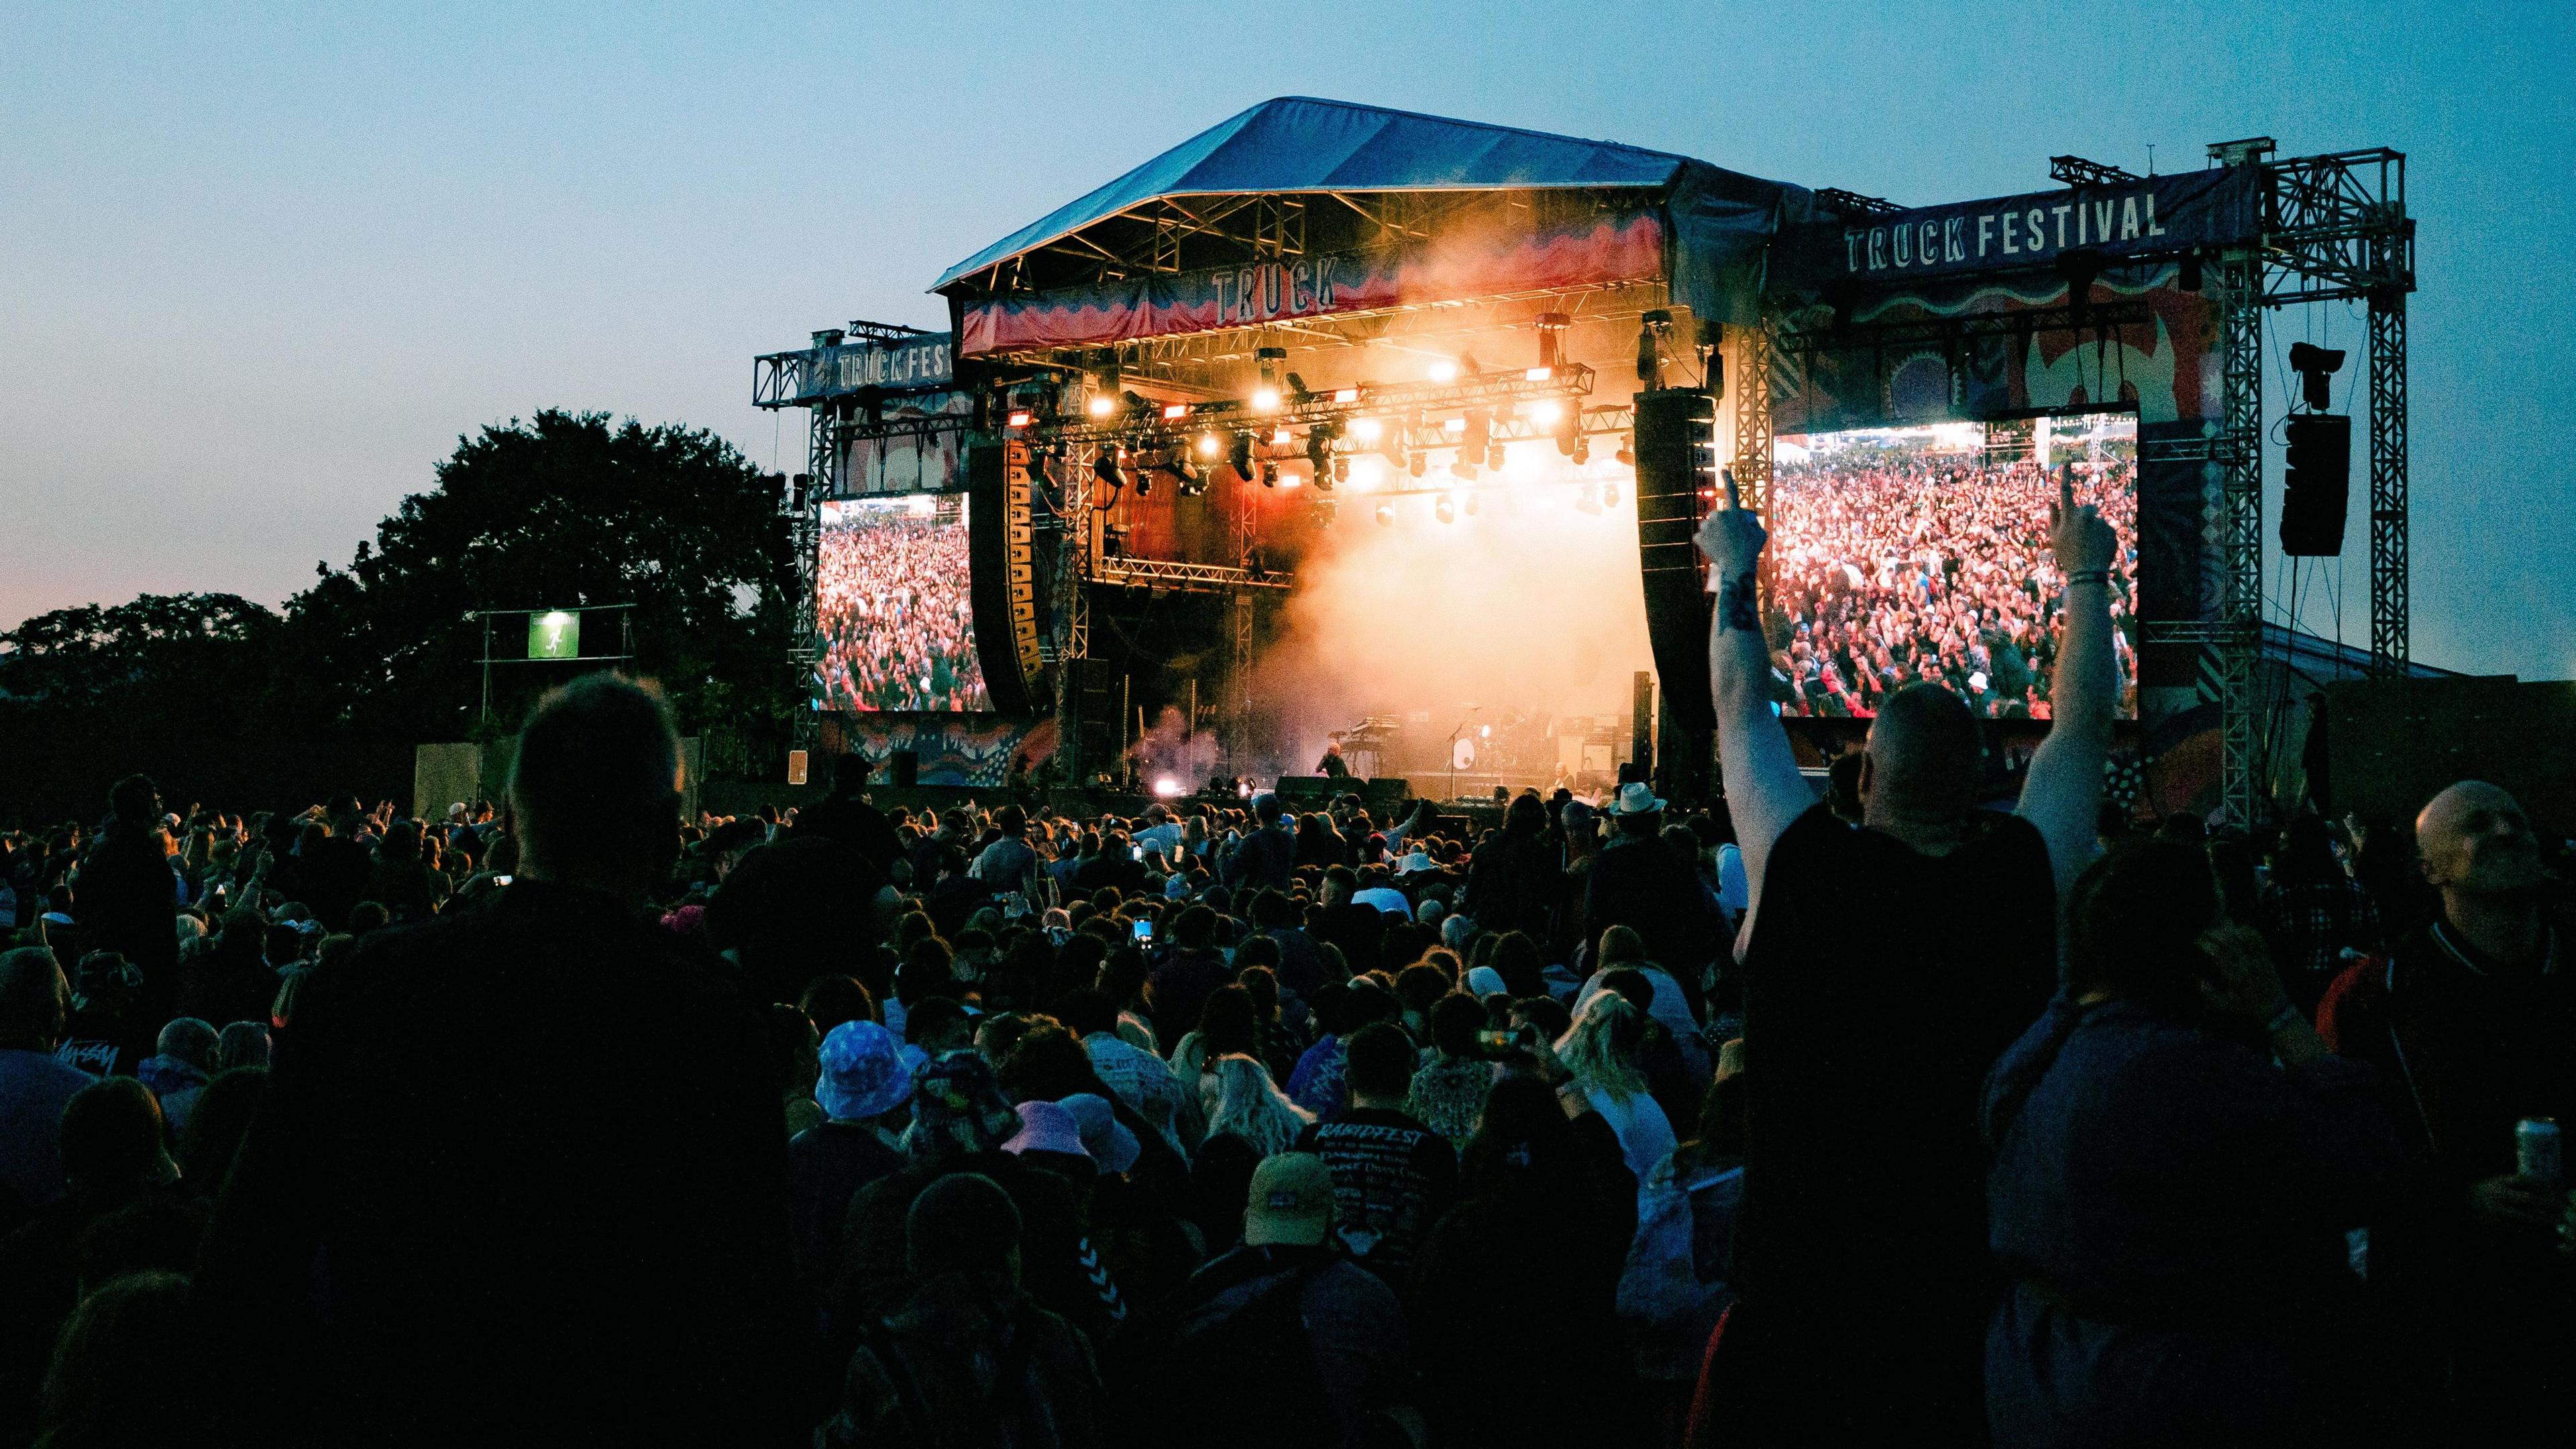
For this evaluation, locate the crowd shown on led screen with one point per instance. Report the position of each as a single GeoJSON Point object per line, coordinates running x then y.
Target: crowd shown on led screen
{"type": "Point", "coordinates": [893, 604]}
{"type": "Point", "coordinates": [1899, 564]}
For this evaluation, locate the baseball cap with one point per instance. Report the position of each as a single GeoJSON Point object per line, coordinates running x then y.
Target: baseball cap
{"type": "Point", "coordinates": [1291, 1202]}
{"type": "Point", "coordinates": [863, 1072]}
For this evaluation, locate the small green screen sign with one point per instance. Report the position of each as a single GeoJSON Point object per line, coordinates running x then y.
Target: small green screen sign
{"type": "Point", "coordinates": [554, 635]}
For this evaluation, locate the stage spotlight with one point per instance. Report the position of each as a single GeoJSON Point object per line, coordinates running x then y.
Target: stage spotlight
{"type": "Point", "coordinates": [1144, 481]}
{"type": "Point", "coordinates": [1102, 405]}
{"type": "Point", "coordinates": [1104, 466]}
{"type": "Point", "coordinates": [1582, 449]}
{"type": "Point", "coordinates": [1444, 370]}
{"type": "Point", "coordinates": [1627, 454]}
{"type": "Point", "coordinates": [1495, 458]}
{"type": "Point", "coordinates": [1538, 374]}
{"type": "Point", "coordinates": [1367, 430]}
{"type": "Point", "coordinates": [1346, 394]}
{"type": "Point", "coordinates": [1135, 404]}
{"type": "Point", "coordinates": [1297, 388]}
{"type": "Point", "coordinates": [1385, 514]}
{"type": "Point", "coordinates": [1269, 475]}
{"type": "Point", "coordinates": [1319, 447]}
{"type": "Point", "coordinates": [1265, 399]}
{"type": "Point", "coordinates": [1471, 505]}
{"type": "Point", "coordinates": [1587, 499]}
{"type": "Point", "coordinates": [1175, 410]}
{"type": "Point", "coordinates": [1209, 447]}
{"type": "Point", "coordinates": [1453, 425]}
{"type": "Point", "coordinates": [1341, 468]}
{"type": "Point", "coordinates": [2316, 367]}
{"type": "Point", "coordinates": [1414, 465]}
{"type": "Point", "coordinates": [1546, 411]}
{"type": "Point", "coordinates": [1609, 495]}
{"type": "Point", "coordinates": [1018, 418]}
{"type": "Point", "coordinates": [1279, 437]}
{"type": "Point", "coordinates": [1462, 467]}
{"type": "Point", "coordinates": [1240, 455]}
{"type": "Point", "coordinates": [1446, 509]}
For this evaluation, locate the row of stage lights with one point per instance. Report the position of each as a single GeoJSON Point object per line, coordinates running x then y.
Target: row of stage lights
{"type": "Point", "coordinates": [1186, 456]}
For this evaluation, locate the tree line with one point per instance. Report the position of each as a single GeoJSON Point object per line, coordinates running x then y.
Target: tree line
{"type": "Point", "coordinates": [228, 701]}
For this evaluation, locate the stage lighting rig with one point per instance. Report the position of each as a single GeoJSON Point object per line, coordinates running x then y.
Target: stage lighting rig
{"type": "Point", "coordinates": [2076, 171]}
{"type": "Point", "coordinates": [1385, 514]}
{"type": "Point", "coordinates": [2316, 367]}
{"type": "Point", "coordinates": [1104, 466]}
{"type": "Point", "coordinates": [1653, 331]}
{"type": "Point", "coordinates": [1551, 327]}
{"type": "Point", "coordinates": [1319, 451]}
{"type": "Point", "coordinates": [1446, 509]}
{"type": "Point", "coordinates": [1269, 475]}
{"type": "Point", "coordinates": [1240, 455]}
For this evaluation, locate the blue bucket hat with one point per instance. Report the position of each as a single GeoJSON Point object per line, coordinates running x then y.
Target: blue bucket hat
{"type": "Point", "coordinates": [863, 1072]}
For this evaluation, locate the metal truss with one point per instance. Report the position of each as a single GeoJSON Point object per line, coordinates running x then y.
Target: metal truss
{"type": "Point", "coordinates": [1752, 464]}
{"type": "Point", "coordinates": [1185, 578]}
{"type": "Point", "coordinates": [1493, 392]}
{"type": "Point", "coordinates": [805, 533]}
{"type": "Point", "coordinates": [2335, 228]}
{"type": "Point", "coordinates": [778, 379]}
{"type": "Point", "coordinates": [2239, 451]}
{"type": "Point", "coordinates": [1238, 724]}
{"type": "Point", "coordinates": [1072, 624]}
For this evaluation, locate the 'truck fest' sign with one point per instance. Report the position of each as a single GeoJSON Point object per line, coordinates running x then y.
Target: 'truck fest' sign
{"type": "Point", "coordinates": [2159, 215]}
{"type": "Point", "coordinates": [1618, 247]}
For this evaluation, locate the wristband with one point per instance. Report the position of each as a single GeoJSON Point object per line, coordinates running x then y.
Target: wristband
{"type": "Point", "coordinates": [2281, 1020]}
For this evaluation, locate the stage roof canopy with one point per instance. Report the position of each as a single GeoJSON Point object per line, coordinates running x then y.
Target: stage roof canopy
{"type": "Point", "coordinates": [1300, 145]}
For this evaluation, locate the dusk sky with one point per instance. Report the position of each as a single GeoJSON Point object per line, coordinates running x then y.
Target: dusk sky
{"type": "Point", "coordinates": [261, 267]}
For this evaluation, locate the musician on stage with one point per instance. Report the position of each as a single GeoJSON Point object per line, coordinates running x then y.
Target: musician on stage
{"type": "Point", "coordinates": [1331, 765]}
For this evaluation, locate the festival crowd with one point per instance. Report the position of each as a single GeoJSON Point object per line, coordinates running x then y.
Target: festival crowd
{"type": "Point", "coordinates": [1909, 1115]}
{"type": "Point", "coordinates": [897, 623]}
{"type": "Point", "coordinates": [1924, 569]}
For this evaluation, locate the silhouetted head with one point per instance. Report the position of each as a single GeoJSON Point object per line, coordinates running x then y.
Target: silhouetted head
{"type": "Point", "coordinates": [1925, 758]}
{"type": "Point", "coordinates": [596, 787]}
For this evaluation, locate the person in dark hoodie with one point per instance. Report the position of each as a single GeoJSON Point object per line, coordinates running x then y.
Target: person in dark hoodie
{"type": "Point", "coordinates": [1543, 1228]}
{"type": "Point", "coordinates": [960, 1119]}
{"type": "Point", "coordinates": [486, 1200]}
{"type": "Point", "coordinates": [967, 1357]}
{"type": "Point", "coordinates": [128, 894]}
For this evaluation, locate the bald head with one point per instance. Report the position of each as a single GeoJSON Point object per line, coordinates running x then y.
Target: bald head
{"type": "Point", "coordinates": [1925, 757]}
{"type": "Point", "coordinates": [2474, 840]}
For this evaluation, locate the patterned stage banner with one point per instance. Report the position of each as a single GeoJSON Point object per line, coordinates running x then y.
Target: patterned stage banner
{"type": "Point", "coordinates": [1617, 247]}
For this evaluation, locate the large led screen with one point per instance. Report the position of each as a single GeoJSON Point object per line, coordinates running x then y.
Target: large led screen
{"type": "Point", "coordinates": [895, 608]}
{"type": "Point", "coordinates": [1922, 554]}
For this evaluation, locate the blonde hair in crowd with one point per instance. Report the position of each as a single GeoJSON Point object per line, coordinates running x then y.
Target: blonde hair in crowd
{"type": "Point", "coordinates": [1590, 1048]}
{"type": "Point", "coordinates": [1241, 1099]}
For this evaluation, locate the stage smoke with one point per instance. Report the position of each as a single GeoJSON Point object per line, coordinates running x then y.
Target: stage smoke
{"type": "Point", "coordinates": [1525, 606]}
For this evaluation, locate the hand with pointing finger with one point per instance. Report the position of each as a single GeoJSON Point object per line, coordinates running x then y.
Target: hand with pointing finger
{"type": "Point", "coordinates": [1732, 538]}
{"type": "Point", "coordinates": [2082, 541]}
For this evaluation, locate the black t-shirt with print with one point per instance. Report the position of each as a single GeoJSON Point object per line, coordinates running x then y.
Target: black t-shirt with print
{"type": "Point", "coordinates": [1392, 1179]}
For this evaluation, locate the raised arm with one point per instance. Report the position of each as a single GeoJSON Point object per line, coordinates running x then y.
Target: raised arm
{"type": "Point", "coordinates": [1764, 791]}
{"type": "Point", "coordinates": [2064, 785]}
